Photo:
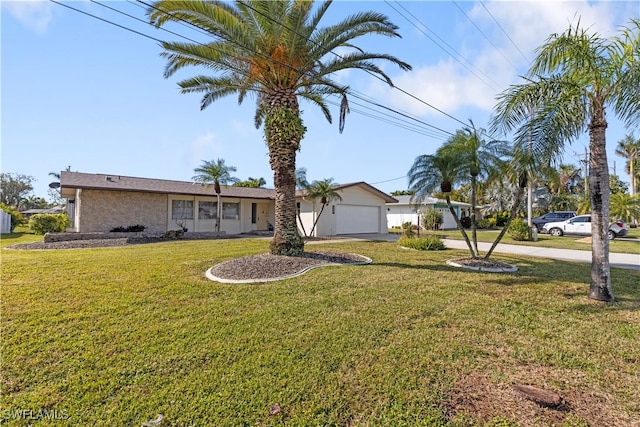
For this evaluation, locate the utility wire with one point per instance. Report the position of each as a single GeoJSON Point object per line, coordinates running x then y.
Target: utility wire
{"type": "Point", "coordinates": [485, 36]}
{"type": "Point", "coordinates": [505, 33]}
{"type": "Point", "coordinates": [422, 28]}
{"type": "Point", "coordinates": [395, 123]}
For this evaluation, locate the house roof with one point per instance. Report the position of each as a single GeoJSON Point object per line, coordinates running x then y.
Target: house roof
{"type": "Point", "coordinates": [406, 200]}
{"type": "Point", "coordinates": [367, 187]}
{"type": "Point", "coordinates": [69, 181]}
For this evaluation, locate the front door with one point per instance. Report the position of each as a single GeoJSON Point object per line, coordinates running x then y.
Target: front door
{"type": "Point", "coordinates": [259, 216]}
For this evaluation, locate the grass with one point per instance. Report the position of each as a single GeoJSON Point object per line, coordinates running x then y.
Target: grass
{"type": "Point", "coordinates": [545, 240]}
{"type": "Point", "coordinates": [116, 336]}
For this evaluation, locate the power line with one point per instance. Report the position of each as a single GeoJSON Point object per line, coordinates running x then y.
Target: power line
{"type": "Point", "coordinates": [485, 36]}
{"type": "Point", "coordinates": [420, 28]}
{"type": "Point", "coordinates": [503, 30]}
{"type": "Point", "coordinates": [406, 127]}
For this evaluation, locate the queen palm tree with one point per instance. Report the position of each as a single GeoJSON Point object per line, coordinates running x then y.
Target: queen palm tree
{"type": "Point", "coordinates": [629, 148]}
{"type": "Point", "coordinates": [574, 77]}
{"type": "Point", "coordinates": [278, 51]}
{"type": "Point", "coordinates": [325, 191]}
{"type": "Point", "coordinates": [215, 173]}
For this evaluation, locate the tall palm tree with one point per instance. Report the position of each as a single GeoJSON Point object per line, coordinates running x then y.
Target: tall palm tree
{"type": "Point", "coordinates": [438, 172]}
{"type": "Point", "coordinates": [570, 177]}
{"type": "Point", "coordinates": [215, 173]}
{"type": "Point", "coordinates": [625, 207]}
{"type": "Point", "coordinates": [479, 158]}
{"type": "Point", "coordinates": [326, 192]}
{"type": "Point", "coordinates": [574, 77]}
{"type": "Point", "coordinates": [278, 51]}
{"type": "Point", "coordinates": [629, 148]}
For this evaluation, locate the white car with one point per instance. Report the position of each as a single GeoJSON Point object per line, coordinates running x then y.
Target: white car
{"type": "Point", "coordinates": [581, 225]}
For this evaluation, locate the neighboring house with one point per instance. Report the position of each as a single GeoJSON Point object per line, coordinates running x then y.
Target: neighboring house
{"type": "Point", "coordinates": [406, 211]}
{"type": "Point", "coordinates": [361, 210]}
{"type": "Point", "coordinates": [98, 203]}
{"type": "Point", "coordinates": [54, 210]}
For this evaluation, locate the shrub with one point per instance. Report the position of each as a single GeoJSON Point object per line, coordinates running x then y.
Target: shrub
{"type": "Point", "coordinates": [432, 219]}
{"type": "Point", "coordinates": [519, 230]}
{"type": "Point", "coordinates": [486, 223]}
{"type": "Point", "coordinates": [49, 223]}
{"type": "Point", "coordinates": [499, 218]}
{"type": "Point", "coordinates": [16, 217]}
{"type": "Point", "coordinates": [465, 221]}
{"type": "Point", "coordinates": [407, 229]}
{"type": "Point", "coordinates": [429, 243]}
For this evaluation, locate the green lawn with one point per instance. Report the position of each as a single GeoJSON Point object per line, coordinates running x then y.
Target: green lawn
{"type": "Point", "coordinates": [116, 336]}
{"type": "Point", "coordinates": [547, 241]}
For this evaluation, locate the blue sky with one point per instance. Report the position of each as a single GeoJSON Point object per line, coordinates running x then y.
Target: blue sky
{"type": "Point", "coordinates": [83, 93]}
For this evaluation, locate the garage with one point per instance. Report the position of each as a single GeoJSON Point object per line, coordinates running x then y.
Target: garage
{"type": "Point", "coordinates": [357, 219]}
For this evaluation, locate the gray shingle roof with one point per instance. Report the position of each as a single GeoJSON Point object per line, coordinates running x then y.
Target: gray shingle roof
{"type": "Point", "coordinates": [72, 180]}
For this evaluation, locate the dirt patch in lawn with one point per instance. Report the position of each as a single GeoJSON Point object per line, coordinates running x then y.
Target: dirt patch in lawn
{"type": "Point", "coordinates": [479, 396]}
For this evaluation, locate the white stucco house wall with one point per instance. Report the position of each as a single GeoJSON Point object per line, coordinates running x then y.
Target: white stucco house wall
{"type": "Point", "coordinates": [361, 210]}
{"type": "Point", "coordinates": [407, 211]}
{"type": "Point", "coordinates": [101, 202]}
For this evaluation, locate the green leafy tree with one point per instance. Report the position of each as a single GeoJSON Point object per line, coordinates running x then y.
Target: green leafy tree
{"type": "Point", "coordinates": [16, 217]}
{"type": "Point", "coordinates": [616, 185]}
{"type": "Point", "coordinates": [629, 148]}
{"type": "Point", "coordinates": [215, 173]}
{"type": "Point", "coordinates": [14, 189]}
{"type": "Point", "coordinates": [432, 219]}
{"type": "Point", "coordinates": [323, 190]}
{"type": "Point", "coordinates": [278, 51]}
{"type": "Point", "coordinates": [574, 77]}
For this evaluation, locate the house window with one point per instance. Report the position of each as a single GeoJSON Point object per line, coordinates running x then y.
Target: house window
{"type": "Point", "coordinates": [231, 211]}
{"type": "Point", "coordinates": [182, 209]}
{"type": "Point", "coordinates": [207, 210]}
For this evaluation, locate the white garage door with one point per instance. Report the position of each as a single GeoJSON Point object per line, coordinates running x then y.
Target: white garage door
{"type": "Point", "coordinates": [354, 219]}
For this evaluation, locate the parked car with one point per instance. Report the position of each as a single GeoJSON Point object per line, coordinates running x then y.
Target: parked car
{"type": "Point", "coordinates": [540, 221]}
{"type": "Point", "coordinates": [581, 225]}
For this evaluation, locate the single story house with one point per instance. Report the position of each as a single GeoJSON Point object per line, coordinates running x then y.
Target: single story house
{"type": "Point", "coordinates": [54, 210]}
{"type": "Point", "coordinates": [99, 203]}
{"type": "Point", "coordinates": [407, 211]}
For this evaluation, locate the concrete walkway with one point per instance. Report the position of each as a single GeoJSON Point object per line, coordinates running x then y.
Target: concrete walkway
{"type": "Point", "coordinates": [629, 261]}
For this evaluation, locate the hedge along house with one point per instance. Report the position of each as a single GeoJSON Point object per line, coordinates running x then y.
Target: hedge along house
{"type": "Point", "coordinates": [361, 210]}
{"type": "Point", "coordinates": [99, 203]}
{"type": "Point", "coordinates": [406, 211]}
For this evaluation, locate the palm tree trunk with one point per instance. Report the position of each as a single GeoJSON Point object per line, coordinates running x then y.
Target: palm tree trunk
{"type": "Point", "coordinates": [316, 221]}
{"type": "Point", "coordinates": [514, 210]}
{"type": "Point", "coordinates": [304, 232]}
{"type": "Point", "coordinates": [600, 288]}
{"type": "Point", "coordinates": [283, 132]}
{"type": "Point", "coordinates": [474, 234]}
{"type": "Point", "coordinates": [460, 227]}
{"type": "Point", "coordinates": [218, 213]}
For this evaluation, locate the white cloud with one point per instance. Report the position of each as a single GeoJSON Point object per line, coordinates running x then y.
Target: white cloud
{"type": "Point", "coordinates": [34, 14]}
{"type": "Point", "coordinates": [450, 86]}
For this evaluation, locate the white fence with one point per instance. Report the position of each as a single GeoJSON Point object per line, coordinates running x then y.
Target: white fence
{"type": "Point", "coordinates": [5, 222]}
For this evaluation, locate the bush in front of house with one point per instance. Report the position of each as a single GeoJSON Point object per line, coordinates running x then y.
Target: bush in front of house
{"type": "Point", "coordinates": [49, 223]}
{"type": "Point", "coordinates": [16, 217]}
{"type": "Point", "coordinates": [486, 223]}
{"type": "Point", "coordinates": [429, 243]}
{"type": "Point", "coordinates": [407, 229]}
{"type": "Point", "coordinates": [519, 230]}
{"type": "Point", "coordinates": [432, 219]}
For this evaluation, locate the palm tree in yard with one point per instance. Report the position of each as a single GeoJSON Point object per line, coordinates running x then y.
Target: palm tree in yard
{"type": "Point", "coordinates": [479, 158]}
{"type": "Point", "coordinates": [277, 51]}
{"type": "Point", "coordinates": [438, 172]}
{"type": "Point", "coordinates": [573, 79]}
{"type": "Point", "coordinates": [325, 191]}
{"type": "Point", "coordinates": [629, 148]}
{"type": "Point", "coordinates": [215, 173]}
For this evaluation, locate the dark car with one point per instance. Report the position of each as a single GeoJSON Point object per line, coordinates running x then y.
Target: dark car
{"type": "Point", "coordinates": [540, 221]}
